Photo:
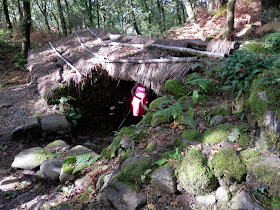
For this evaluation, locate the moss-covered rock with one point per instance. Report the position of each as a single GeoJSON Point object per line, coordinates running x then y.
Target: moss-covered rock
{"type": "Point", "coordinates": [250, 153]}
{"type": "Point", "coordinates": [151, 147]}
{"type": "Point", "coordinates": [186, 102]}
{"type": "Point", "coordinates": [57, 144]}
{"type": "Point", "coordinates": [132, 171]}
{"type": "Point", "coordinates": [244, 140]}
{"type": "Point", "coordinates": [161, 117]}
{"type": "Point", "coordinates": [254, 47]}
{"type": "Point", "coordinates": [69, 165]}
{"type": "Point", "coordinates": [194, 175]}
{"type": "Point", "coordinates": [156, 103]}
{"type": "Point", "coordinates": [217, 134]}
{"type": "Point", "coordinates": [191, 135]}
{"type": "Point", "coordinates": [224, 109]}
{"type": "Point", "coordinates": [264, 111]}
{"type": "Point", "coordinates": [147, 119]}
{"type": "Point", "coordinates": [228, 167]}
{"type": "Point", "coordinates": [176, 88]}
{"type": "Point", "coordinates": [264, 173]}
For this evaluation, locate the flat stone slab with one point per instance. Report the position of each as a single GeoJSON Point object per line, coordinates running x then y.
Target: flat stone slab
{"type": "Point", "coordinates": [55, 124]}
{"type": "Point", "coordinates": [31, 158]}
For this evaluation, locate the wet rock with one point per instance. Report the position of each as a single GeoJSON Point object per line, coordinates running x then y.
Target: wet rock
{"type": "Point", "coordinates": [101, 186]}
{"type": "Point", "coordinates": [121, 197]}
{"type": "Point", "coordinates": [79, 149]}
{"type": "Point", "coordinates": [222, 195]}
{"type": "Point", "coordinates": [218, 119]}
{"type": "Point", "coordinates": [31, 158]}
{"type": "Point", "coordinates": [30, 128]}
{"type": "Point", "coordinates": [243, 201]}
{"type": "Point", "coordinates": [63, 177]}
{"type": "Point", "coordinates": [164, 179]}
{"type": "Point", "coordinates": [55, 124]}
{"type": "Point", "coordinates": [20, 199]}
{"type": "Point", "coordinates": [57, 144]}
{"type": "Point", "coordinates": [51, 169]}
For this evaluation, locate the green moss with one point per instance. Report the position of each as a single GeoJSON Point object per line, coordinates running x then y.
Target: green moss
{"type": "Point", "coordinates": [254, 47]}
{"type": "Point", "coordinates": [156, 103]}
{"type": "Point", "coordinates": [244, 140]}
{"type": "Point", "coordinates": [186, 102]}
{"type": "Point", "coordinates": [224, 109]}
{"type": "Point", "coordinates": [146, 119]}
{"type": "Point", "coordinates": [228, 167]}
{"type": "Point", "coordinates": [191, 135]}
{"type": "Point", "coordinates": [151, 147]}
{"type": "Point", "coordinates": [176, 88]}
{"type": "Point", "coordinates": [110, 152]}
{"type": "Point", "coordinates": [131, 174]}
{"type": "Point", "coordinates": [43, 155]}
{"type": "Point", "coordinates": [250, 153]}
{"type": "Point", "coordinates": [194, 175]}
{"type": "Point", "coordinates": [161, 117]}
{"type": "Point", "coordinates": [124, 157]}
{"type": "Point", "coordinates": [269, 177]}
{"type": "Point", "coordinates": [69, 164]}
{"type": "Point", "coordinates": [217, 134]}
{"type": "Point", "coordinates": [126, 131]}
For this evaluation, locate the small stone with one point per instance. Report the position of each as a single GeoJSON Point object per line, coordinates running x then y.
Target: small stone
{"type": "Point", "coordinates": [243, 201]}
{"type": "Point", "coordinates": [57, 144]}
{"type": "Point", "coordinates": [79, 149]}
{"type": "Point", "coordinates": [222, 194]}
{"type": "Point", "coordinates": [55, 124]}
{"type": "Point", "coordinates": [206, 201]}
{"type": "Point", "coordinates": [218, 119]}
{"type": "Point", "coordinates": [51, 168]}
{"type": "Point", "coordinates": [83, 183]}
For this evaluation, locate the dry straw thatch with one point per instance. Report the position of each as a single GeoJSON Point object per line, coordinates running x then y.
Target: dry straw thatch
{"type": "Point", "coordinates": [90, 52]}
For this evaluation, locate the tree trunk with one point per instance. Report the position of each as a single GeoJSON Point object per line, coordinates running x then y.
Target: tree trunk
{"type": "Point", "coordinates": [135, 24]}
{"type": "Point", "coordinates": [266, 15]}
{"type": "Point", "coordinates": [19, 10]}
{"type": "Point", "coordinates": [230, 18]}
{"type": "Point", "coordinates": [98, 14]}
{"type": "Point", "coordinates": [68, 15]}
{"type": "Point", "coordinates": [43, 9]}
{"type": "Point", "coordinates": [90, 12]}
{"type": "Point", "coordinates": [147, 10]}
{"type": "Point", "coordinates": [57, 22]}
{"type": "Point", "coordinates": [210, 6]}
{"type": "Point", "coordinates": [160, 17]}
{"type": "Point", "coordinates": [178, 13]}
{"type": "Point", "coordinates": [190, 11]}
{"type": "Point", "coordinates": [62, 19]}
{"type": "Point", "coordinates": [26, 28]}
{"type": "Point", "coordinates": [6, 11]}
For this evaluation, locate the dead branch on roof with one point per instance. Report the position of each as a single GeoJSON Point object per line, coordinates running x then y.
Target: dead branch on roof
{"type": "Point", "coordinates": [171, 48]}
{"type": "Point", "coordinates": [66, 61]}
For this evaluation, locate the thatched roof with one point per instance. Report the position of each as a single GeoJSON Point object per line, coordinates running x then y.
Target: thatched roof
{"type": "Point", "coordinates": [88, 53]}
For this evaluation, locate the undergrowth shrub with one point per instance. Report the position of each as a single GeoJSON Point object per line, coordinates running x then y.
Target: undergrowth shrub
{"type": "Point", "coordinates": [241, 68]}
{"type": "Point", "coordinates": [272, 42]}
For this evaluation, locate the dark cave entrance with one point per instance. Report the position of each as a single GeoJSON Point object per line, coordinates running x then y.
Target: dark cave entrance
{"type": "Point", "coordinates": [105, 105]}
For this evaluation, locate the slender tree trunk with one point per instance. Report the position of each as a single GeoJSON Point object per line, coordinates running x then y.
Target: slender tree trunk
{"type": "Point", "coordinates": [190, 11]}
{"type": "Point", "coordinates": [163, 16]}
{"type": "Point", "coordinates": [183, 12]}
{"type": "Point", "coordinates": [61, 16]}
{"type": "Point", "coordinates": [230, 17]}
{"type": "Point", "coordinates": [147, 10]}
{"type": "Point", "coordinates": [26, 28]}
{"type": "Point", "coordinates": [57, 22]}
{"type": "Point", "coordinates": [160, 17]}
{"type": "Point", "coordinates": [43, 9]}
{"type": "Point", "coordinates": [98, 13]}
{"type": "Point", "coordinates": [210, 6]}
{"type": "Point", "coordinates": [6, 11]}
{"type": "Point", "coordinates": [19, 10]}
{"type": "Point", "coordinates": [90, 12]}
{"type": "Point", "coordinates": [178, 12]}
{"type": "Point", "coordinates": [70, 26]}
{"type": "Point", "coordinates": [135, 24]}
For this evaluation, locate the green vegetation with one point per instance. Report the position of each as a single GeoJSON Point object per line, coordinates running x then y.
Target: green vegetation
{"type": "Point", "coordinates": [224, 109]}
{"type": "Point", "coordinates": [228, 167]}
{"type": "Point", "coordinates": [192, 135]}
{"type": "Point", "coordinates": [176, 88]}
{"type": "Point", "coordinates": [272, 42]}
{"type": "Point", "coordinates": [194, 175]}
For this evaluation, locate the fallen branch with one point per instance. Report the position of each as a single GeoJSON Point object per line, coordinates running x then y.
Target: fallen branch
{"type": "Point", "coordinates": [160, 60]}
{"type": "Point", "coordinates": [66, 61]}
{"type": "Point", "coordinates": [171, 48]}
{"type": "Point", "coordinates": [99, 39]}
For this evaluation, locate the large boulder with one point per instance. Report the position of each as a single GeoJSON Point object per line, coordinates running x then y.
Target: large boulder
{"type": "Point", "coordinates": [244, 201]}
{"type": "Point", "coordinates": [31, 158]}
{"type": "Point", "coordinates": [194, 175]}
{"type": "Point", "coordinates": [228, 167]}
{"type": "Point", "coordinates": [31, 127]}
{"type": "Point", "coordinates": [164, 179]}
{"type": "Point", "coordinates": [264, 172]}
{"type": "Point", "coordinates": [55, 124]}
{"type": "Point", "coordinates": [262, 106]}
{"type": "Point", "coordinates": [120, 196]}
